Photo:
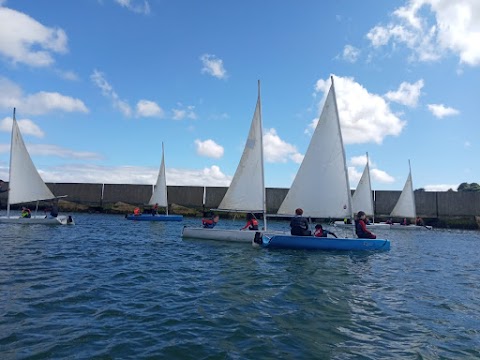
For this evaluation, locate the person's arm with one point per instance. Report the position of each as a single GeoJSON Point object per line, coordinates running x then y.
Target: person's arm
{"type": "Point", "coordinates": [246, 225]}
{"type": "Point", "coordinates": [331, 233]}
{"type": "Point", "coordinates": [364, 228]}
{"type": "Point", "coordinates": [305, 223]}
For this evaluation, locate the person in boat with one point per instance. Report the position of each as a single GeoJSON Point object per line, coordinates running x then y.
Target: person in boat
{"type": "Point", "coordinates": [299, 224]}
{"type": "Point", "coordinates": [136, 211]}
{"type": "Point", "coordinates": [404, 222]}
{"type": "Point", "coordinates": [321, 232]}
{"type": "Point", "coordinates": [209, 223]}
{"type": "Point", "coordinates": [26, 213]}
{"type": "Point", "coordinates": [419, 221]}
{"type": "Point", "coordinates": [389, 221]}
{"type": "Point", "coordinates": [54, 209]}
{"type": "Point", "coordinates": [155, 209]}
{"type": "Point", "coordinates": [252, 222]}
{"type": "Point", "coordinates": [361, 227]}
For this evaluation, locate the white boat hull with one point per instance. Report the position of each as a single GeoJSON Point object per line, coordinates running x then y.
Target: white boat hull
{"type": "Point", "coordinates": [35, 220]}
{"type": "Point", "coordinates": [409, 227]}
{"type": "Point", "coordinates": [245, 236]}
{"type": "Point", "coordinates": [376, 226]}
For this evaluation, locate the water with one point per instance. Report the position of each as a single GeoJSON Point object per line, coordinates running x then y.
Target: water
{"type": "Point", "coordinates": [111, 288]}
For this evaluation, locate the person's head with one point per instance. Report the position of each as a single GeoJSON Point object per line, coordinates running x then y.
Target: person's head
{"type": "Point", "coordinates": [216, 218]}
{"type": "Point", "coordinates": [24, 208]}
{"type": "Point", "coordinates": [361, 215]}
{"type": "Point", "coordinates": [298, 211]}
{"type": "Point", "coordinates": [318, 226]}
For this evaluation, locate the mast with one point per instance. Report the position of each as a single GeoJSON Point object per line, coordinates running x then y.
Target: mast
{"type": "Point", "coordinates": [370, 193]}
{"type": "Point", "coordinates": [10, 167]}
{"type": "Point", "coordinates": [264, 199]}
{"type": "Point", "coordinates": [163, 163]}
{"type": "Point", "coordinates": [349, 195]}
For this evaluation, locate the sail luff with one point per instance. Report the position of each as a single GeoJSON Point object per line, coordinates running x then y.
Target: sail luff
{"type": "Point", "coordinates": [10, 165]}
{"type": "Point", "coordinates": [264, 200]}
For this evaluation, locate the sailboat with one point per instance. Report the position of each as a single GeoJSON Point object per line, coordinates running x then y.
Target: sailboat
{"type": "Point", "coordinates": [405, 206]}
{"type": "Point", "coordinates": [246, 192]}
{"type": "Point", "coordinates": [362, 200]}
{"type": "Point", "coordinates": [158, 198]}
{"type": "Point", "coordinates": [321, 188]}
{"type": "Point", "coordinates": [26, 185]}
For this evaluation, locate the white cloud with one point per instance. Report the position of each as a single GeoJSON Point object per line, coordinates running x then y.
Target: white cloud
{"type": "Point", "coordinates": [353, 176]}
{"type": "Point", "coordinates": [101, 82]}
{"type": "Point", "coordinates": [27, 127]}
{"type": "Point", "coordinates": [147, 108]}
{"type": "Point", "coordinates": [11, 95]}
{"type": "Point", "coordinates": [277, 150]}
{"type": "Point", "coordinates": [381, 176]}
{"type": "Point", "coordinates": [137, 6]}
{"type": "Point", "coordinates": [359, 160]}
{"type": "Point", "coordinates": [182, 112]}
{"type": "Point", "coordinates": [440, 110]}
{"type": "Point", "coordinates": [364, 117]}
{"type": "Point", "coordinates": [90, 173]}
{"type": "Point", "coordinates": [213, 66]}
{"type": "Point", "coordinates": [55, 151]}
{"type": "Point", "coordinates": [25, 40]}
{"type": "Point", "coordinates": [407, 94]}
{"type": "Point", "coordinates": [350, 53]}
{"type": "Point", "coordinates": [433, 28]}
{"type": "Point", "coordinates": [441, 187]}
{"type": "Point", "coordinates": [209, 148]}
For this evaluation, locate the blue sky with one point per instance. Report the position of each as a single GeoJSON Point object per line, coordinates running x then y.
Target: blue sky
{"type": "Point", "coordinates": [99, 84]}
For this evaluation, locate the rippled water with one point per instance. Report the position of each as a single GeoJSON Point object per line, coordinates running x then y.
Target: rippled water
{"type": "Point", "coordinates": [111, 288]}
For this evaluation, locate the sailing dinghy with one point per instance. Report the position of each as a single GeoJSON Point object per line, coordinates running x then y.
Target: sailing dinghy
{"type": "Point", "coordinates": [246, 193]}
{"type": "Point", "coordinates": [26, 185]}
{"type": "Point", "coordinates": [405, 206]}
{"type": "Point", "coordinates": [159, 198]}
{"type": "Point", "coordinates": [321, 188]}
{"type": "Point", "coordinates": [362, 200]}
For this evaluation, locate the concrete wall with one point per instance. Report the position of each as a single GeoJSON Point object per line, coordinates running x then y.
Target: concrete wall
{"type": "Point", "coordinates": [429, 204]}
{"type": "Point", "coordinates": [190, 196]}
{"type": "Point", "coordinates": [458, 203]}
{"type": "Point", "coordinates": [88, 194]}
{"type": "Point", "coordinates": [131, 194]}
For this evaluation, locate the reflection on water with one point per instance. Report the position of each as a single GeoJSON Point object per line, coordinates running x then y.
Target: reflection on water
{"type": "Point", "coordinates": [112, 288]}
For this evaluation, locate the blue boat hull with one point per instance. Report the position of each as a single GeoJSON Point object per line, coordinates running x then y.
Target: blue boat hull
{"type": "Point", "coordinates": [316, 243]}
{"type": "Point", "coordinates": [150, 217]}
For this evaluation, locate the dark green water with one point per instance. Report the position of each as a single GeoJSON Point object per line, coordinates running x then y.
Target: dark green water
{"type": "Point", "coordinates": [110, 288]}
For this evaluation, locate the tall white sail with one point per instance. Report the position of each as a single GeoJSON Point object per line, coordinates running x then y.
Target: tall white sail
{"type": "Point", "coordinates": [321, 186]}
{"type": "Point", "coordinates": [362, 197]}
{"type": "Point", "coordinates": [159, 195]}
{"type": "Point", "coordinates": [25, 182]}
{"type": "Point", "coordinates": [247, 190]}
{"type": "Point", "coordinates": [405, 206]}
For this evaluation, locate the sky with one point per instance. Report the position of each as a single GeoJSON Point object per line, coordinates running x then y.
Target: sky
{"type": "Point", "coordinates": [99, 85]}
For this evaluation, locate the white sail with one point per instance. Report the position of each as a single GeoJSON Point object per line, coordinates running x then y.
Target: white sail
{"type": "Point", "coordinates": [321, 186]}
{"type": "Point", "coordinates": [405, 206]}
{"type": "Point", "coordinates": [362, 197]}
{"type": "Point", "coordinates": [159, 195]}
{"type": "Point", "coordinates": [247, 189]}
{"type": "Point", "coordinates": [25, 182]}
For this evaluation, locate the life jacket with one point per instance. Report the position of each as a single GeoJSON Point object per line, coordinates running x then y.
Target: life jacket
{"type": "Point", "coordinates": [208, 223]}
{"type": "Point", "coordinates": [320, 233]}
{"type": "Point", "coordinates": [359, 230]}
{"type": "Point", "coordinates": [253, 224]}
{"type": "Point", "coordinates": [26, 213]}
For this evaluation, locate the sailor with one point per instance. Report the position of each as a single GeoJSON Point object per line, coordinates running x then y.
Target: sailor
{"type": "Point", "coordinates": [299, 224]}
{"type": "Point", "coordinates": [26, 213]}
{"type": "Point", "coordinates": [155, 209]}
{"type": "Point", "coordinates": [252, 222]}
{"type": "Point", "coordinates": [321, 232]}
{"type": "Point", "coordinates": [361, 228]}
{"type": "Point", "coordinates": [211, 222]}
{"type": "Point", "coordinates": [136, 211]}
